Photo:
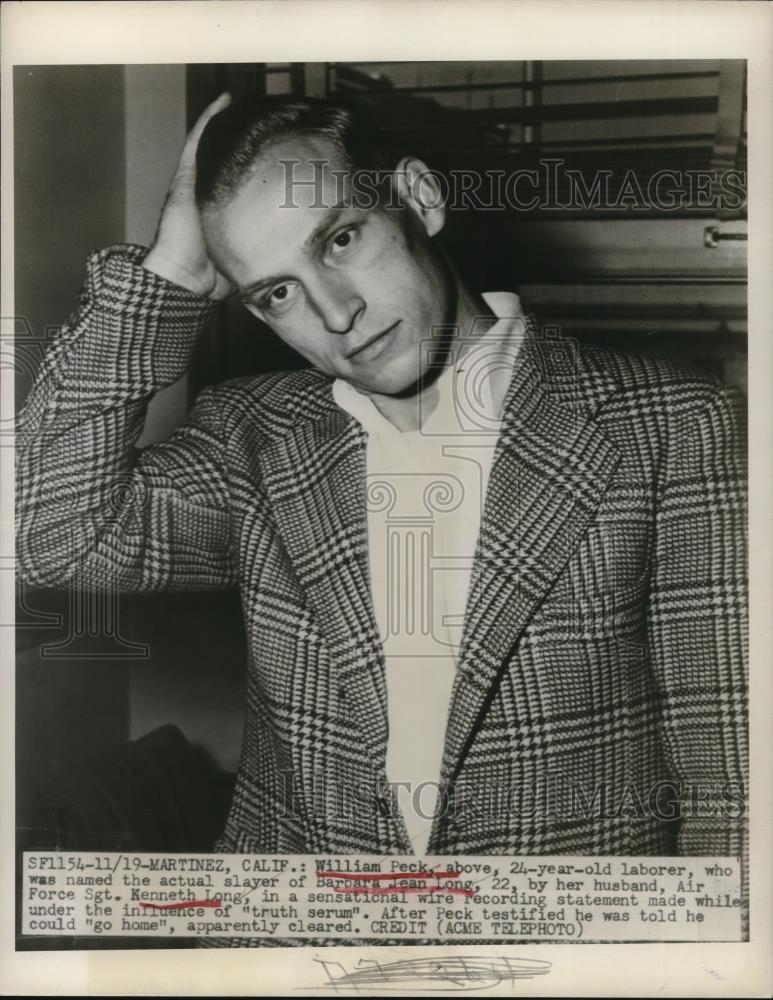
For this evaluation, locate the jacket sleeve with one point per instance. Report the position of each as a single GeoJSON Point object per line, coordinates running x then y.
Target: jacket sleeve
{"type": "Point", "coordinates": [698, 621]}
{"type": "Point", "coordinates": [92, 508]}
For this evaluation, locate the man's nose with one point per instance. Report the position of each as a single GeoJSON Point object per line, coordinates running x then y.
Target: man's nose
{"type": "Point", "coordinates": [339, 306]}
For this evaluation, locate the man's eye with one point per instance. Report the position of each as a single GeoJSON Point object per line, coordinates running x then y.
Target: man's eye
{"type": "Point", "coordinates": [279, 297]}
{"type": "Point", "coordinates": [343, 240]}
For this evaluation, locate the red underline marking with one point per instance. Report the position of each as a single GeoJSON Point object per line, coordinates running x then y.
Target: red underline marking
{"type": "Point", "coordinates": [373, 876]}
{"type": "Point", "coordinates": [187, 904]}
{"type": "Point", "coordinates": [382, 889]}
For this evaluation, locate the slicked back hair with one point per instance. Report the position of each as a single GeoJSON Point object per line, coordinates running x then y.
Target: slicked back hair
{"type": "Point", "coordinates": [235, 138]}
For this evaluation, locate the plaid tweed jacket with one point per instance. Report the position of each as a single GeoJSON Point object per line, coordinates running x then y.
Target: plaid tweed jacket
{"type": "Point", "coordinates": [600, 703]}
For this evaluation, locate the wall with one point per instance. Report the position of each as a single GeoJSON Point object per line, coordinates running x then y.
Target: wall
{"type": "Point", "coordinates": [69, 187]}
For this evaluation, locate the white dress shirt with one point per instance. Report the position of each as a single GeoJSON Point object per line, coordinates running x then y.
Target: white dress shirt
{"type": "Point", "coordinates": [425, 496]}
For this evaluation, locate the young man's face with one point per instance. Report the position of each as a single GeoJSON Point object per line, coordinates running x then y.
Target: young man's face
{"type": "Point", "coordinates": [353, 290]}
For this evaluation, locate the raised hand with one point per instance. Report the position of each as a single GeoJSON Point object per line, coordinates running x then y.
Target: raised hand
{"type": "Point", "coordinates": [178, 252]}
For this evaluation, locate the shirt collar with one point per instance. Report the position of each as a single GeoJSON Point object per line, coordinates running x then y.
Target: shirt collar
{"type": "Point", "coordinates": [470, 391]}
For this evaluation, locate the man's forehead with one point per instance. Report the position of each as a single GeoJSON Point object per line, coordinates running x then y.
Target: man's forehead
{"type": "Point", "coordinates": [296, 190]}
{"type": "Point", "coordinates": [305, 172]}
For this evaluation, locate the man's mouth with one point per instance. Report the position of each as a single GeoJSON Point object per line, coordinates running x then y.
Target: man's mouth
{"type": "Point", "coordinates": [372, 346]}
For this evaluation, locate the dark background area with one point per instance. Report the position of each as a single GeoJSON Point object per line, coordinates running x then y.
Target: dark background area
{"type": "Point", "coordinates": [100, 683]}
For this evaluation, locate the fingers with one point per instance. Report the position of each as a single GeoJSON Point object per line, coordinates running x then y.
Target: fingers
{"type": "Point", "coordinates": [188, 157]}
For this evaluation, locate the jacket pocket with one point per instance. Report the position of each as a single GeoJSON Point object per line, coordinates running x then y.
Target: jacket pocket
{"type": "Point", "coordinates": [619, 612]}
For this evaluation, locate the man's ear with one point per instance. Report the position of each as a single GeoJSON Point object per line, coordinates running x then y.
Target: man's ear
{"type": "Point", "coordinates": [419, 190]}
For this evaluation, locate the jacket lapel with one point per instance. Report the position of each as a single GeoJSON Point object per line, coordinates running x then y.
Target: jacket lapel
{"type": "Point", "coordinates": [549, 474]}
{"type": "Point", "coordinates": [315, 480]}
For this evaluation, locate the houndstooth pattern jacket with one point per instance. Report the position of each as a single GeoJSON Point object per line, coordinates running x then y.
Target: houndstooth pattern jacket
{"type": "Point", "coordinates": [600, 702]}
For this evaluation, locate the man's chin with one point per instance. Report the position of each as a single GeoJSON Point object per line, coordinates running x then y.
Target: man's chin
{"type": "Point", "coordinates": [396, 388]}
{"type": "Point", "coordinates": [401, 382]}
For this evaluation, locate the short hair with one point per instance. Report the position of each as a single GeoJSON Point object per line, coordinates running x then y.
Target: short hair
{"type": "Point", "coordinates": [235, 137]}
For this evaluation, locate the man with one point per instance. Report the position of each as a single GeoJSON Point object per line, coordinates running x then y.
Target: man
{"type": "Point", "coordinates": [579, 687]}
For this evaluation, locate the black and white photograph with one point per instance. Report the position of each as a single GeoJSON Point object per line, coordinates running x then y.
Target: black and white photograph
{"type": "Point", "coordinates": [380, 447]}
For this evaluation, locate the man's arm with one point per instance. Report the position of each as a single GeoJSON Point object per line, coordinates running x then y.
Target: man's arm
{"type": "Point", "coordinates": [698, 619]}
{"type": "Point", "coordinates": [92, 507]}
